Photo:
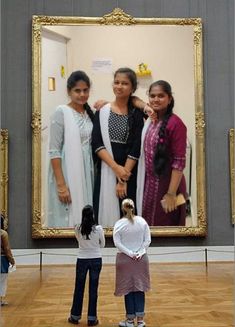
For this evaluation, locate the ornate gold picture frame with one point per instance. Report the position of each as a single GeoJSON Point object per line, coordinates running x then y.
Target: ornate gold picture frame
{"type": "Point", "coordinates": [119, 19]}
{"type": "Point", "coordinates": [4, 175]}
{"type": "Point", "coordinates": [232, 171]}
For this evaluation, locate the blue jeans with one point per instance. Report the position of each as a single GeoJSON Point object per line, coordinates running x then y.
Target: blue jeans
{"type": "Point", "coordinates": [83, 266]}
{"type": "Point", "coordinates": [134, 303]}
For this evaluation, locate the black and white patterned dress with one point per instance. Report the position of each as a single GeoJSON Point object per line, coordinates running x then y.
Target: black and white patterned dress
{"type": "Point", "coordinates": [125, 137]}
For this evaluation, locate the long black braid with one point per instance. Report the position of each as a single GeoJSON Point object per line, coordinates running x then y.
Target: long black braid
{"type": "Point", "coordinates": [161, 155]}
{"type": "Point", "coordinates": [131, 111]}
{"type": "Point", "coordinates": [75, 77]}
{"type": "Point", "coordinates": [89, 112]}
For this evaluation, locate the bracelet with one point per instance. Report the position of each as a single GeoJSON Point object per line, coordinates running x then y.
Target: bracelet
{"type": "Point", "coordinates": [61, 191]}
{"type": "Point", "coordinates": [144, 110]}
{"type": "Point", "coordinates": [171, 194]}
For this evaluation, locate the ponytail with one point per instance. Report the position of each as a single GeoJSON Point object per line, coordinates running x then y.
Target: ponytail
{"type": "Point", "coordinates": [128, 208]}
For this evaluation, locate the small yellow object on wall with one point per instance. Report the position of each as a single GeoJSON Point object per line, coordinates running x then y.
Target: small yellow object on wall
{"type": "Point", "coordinates": [143, 70]}
{"type": "Point", "coordinates": [62, 71]}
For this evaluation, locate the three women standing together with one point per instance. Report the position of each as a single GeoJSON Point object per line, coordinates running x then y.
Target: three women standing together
{"type": "Point", "coordinates": [116, 141]}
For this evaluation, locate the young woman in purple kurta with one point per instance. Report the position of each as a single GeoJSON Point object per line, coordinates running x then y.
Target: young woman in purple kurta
{"type": "Point", "coordinates": [162, 162]}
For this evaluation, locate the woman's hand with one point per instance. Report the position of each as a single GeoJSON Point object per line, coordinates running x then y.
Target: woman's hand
{"type": "Point", "coordinates": [64, 194]}
{"type": "Point", "coordinates": [121, 173]}
{"type": "Point", "coordinates": [121, 190]}
{"type": "Point", "coordinates": [169, 202]}
{"type": "Point", "coordinates": [12, 261]}
{"type": "Point", "coordinates": [137, 256]}
{"type": "Point", "coordinates": [150, 112]}
{"type": "Point", "coordinates": [99, 104]}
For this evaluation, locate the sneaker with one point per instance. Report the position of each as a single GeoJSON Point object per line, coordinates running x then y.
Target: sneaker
{"type": "Point", "coordinates": [92, 322]}
{"type": "Point", "coordinates": [126, 323]}
{"type": "Point", "coordinates": [140, 323]}
{"type": "Point", "coordinates": [73, 321]}
{"type": "Point", "coordinates": [3, 303]}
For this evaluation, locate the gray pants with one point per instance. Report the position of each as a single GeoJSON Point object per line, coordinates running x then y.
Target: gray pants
{"type": "Point", "coordinates": [3, 284]}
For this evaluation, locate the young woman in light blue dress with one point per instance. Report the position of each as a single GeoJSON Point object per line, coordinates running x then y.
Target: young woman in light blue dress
{"type": "Point", "coordinates": [71, 171]}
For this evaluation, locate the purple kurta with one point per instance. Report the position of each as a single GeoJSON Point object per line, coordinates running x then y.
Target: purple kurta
{"type": "Point", "coordinates": [156, 187]}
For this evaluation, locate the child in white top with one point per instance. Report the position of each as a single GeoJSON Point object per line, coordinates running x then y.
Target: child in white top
{"type": "Point", "coordinates": [90, 239]}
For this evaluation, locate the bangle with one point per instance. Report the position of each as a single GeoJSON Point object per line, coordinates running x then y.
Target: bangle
{"type": "Point", "coordinates": [61, 191]}
{"type": "Point", "coordinates": [144, 110]}
{"type": "Point", "coordinates": [171, 193]}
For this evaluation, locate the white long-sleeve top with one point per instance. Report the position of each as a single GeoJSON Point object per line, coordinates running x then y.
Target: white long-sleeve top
{"type": "Point", "coordinates": [131, 237]}
{"type": "Point", "coordinates": [90, 249]}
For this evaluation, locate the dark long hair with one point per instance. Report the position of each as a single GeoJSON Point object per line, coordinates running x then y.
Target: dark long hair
{"type": "Point", "coordinates": [88, 221]}
{"type": "Point", "coordinates": [161, 155]}
{"type": "Point", "coordinates": [2, 221]}
{"type": "Point", "coordinates": [131, 75]}
{"type": "Point", "coordinates": [78, 76]}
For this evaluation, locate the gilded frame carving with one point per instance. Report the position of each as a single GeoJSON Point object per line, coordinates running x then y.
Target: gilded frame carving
{"type": "Point", "coordinates": [117, 17]}
{"type": "Point", "coordinates": [4, 175]}
{"type": "Point", "coordinates": [232, 171]}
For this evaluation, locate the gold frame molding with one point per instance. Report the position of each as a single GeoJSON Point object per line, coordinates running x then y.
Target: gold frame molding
{"type": "Point", "coordinates": [117, 17]}
{"type": "Point", "coordinates": [4, 175]}
{"type": "Point", "coordinates": [232, 171]}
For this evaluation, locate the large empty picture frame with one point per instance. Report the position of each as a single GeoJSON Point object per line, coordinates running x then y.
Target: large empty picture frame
{"type": "Point", "coordinates": [172, 50]}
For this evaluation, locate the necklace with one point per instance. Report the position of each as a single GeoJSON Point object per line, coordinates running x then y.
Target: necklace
{"type": "Point", "coordinates": [120, 111]}
{"type": "Point", "coordinates": [78, 110]}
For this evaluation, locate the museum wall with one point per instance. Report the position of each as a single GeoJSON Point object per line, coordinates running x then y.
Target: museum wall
{"type": "Point", "coordinates": [16, 104]}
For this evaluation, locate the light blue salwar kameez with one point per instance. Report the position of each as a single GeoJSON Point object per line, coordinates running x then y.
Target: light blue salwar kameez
{"type": "Point", "coordinates": [59, 213]}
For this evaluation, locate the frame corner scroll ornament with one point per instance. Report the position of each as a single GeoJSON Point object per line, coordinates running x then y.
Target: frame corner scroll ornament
{"type": "Point", "coordinates": [117, 17]}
